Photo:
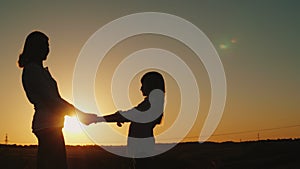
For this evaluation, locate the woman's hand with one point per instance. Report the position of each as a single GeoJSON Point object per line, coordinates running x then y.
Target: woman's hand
{"type": "Point", "coordinates": [86, 118]}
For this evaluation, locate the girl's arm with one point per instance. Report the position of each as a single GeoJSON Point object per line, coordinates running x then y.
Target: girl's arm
{"type": "Point", "coordinates": [112, 118]}
{"type": "Point", "coordinates": [116, 117]}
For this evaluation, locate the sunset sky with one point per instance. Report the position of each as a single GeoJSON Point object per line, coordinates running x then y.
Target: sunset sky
{"type": "Point", "coordinates": [257, 41]}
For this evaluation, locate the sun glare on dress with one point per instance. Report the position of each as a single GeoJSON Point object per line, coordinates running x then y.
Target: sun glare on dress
{"type": "Point", "coordinates": [72, 125]}
{"type": "Point", "coordinates": [74, 132]}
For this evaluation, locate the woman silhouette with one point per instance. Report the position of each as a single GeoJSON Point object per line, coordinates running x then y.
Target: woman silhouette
{"type": "Point", "coordinates": [143, 118]}
{"type": "Point", "coordinates": [42, 91]}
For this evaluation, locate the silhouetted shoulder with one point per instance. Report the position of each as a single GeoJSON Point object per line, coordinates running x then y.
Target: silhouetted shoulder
{"type": "Point", "coordinates": [144, 105]}
{"type": "Point", "coordinates": [32, 68]}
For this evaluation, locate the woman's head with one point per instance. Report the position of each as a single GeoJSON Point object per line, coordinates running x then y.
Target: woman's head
{"type": "Point", "coordinates": [151, 81]}
{"type": "Point", "coordinates": [36, 48]}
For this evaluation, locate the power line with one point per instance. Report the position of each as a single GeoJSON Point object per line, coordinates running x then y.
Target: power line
{"type": "Point", "coordinates": [258, 130]}
{"type": "Point", "coordinates": [237, 132]}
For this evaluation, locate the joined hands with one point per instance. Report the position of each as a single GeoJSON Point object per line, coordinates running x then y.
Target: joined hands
{"type": "Point", "coordinates": [88, 118]}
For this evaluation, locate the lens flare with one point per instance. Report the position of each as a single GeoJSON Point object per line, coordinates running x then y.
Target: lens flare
{"type": "Point", "coordinates": [229, 43]}
{"type": "Point", "coordinates": [233, 40]}
{"type": "Point", "coordinates": [223, 46]}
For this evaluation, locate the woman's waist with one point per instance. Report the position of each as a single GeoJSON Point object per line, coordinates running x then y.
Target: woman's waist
{"type": "Point", "coordinates": [46, 119]}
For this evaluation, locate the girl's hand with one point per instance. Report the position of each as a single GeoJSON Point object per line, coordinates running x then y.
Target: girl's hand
{"type": "Point", "coordinates": [119, 124]}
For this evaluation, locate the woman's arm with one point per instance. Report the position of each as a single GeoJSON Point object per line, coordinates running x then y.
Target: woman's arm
{"type": "Point", "coordinates": [40, 89]}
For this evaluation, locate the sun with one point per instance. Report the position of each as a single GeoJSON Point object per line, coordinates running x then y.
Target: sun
{"type": "Point", "coordinates": [72, 125]}
{"type": "Point", "coordinates": [74, 132]}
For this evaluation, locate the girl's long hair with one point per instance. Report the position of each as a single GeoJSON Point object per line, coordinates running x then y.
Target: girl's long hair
{"type": "Point", "coordinates": [154, 80]}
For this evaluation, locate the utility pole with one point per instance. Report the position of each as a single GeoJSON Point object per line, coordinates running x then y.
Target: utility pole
{"type": "Point", "coordinates": [6, 139]}
{"type": "Point", "coordinates": [257, 136]}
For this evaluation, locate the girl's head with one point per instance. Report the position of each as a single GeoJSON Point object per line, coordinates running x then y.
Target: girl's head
{"type": "Point", "coordinates": [151, 81]}
{"type": "Point", "coordinates": [36, 48]}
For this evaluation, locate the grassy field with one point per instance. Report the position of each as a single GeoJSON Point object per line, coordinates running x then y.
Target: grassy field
{"type": "Point", "coordinates": [269, 154]}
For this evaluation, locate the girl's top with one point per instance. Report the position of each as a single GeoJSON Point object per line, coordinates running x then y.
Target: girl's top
{"type": "Point", "coordinates": [136, 130]}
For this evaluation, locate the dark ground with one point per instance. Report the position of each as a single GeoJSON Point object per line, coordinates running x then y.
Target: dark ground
{"type": "Point", "coordinates": [269, 154]}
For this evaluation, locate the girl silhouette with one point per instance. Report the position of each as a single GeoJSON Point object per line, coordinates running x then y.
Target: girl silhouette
{"type": "Point", "coordinates": [143, 118]}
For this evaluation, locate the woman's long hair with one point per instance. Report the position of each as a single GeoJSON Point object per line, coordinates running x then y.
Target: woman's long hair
{"type": "Point", "coordinates": [32, 48]}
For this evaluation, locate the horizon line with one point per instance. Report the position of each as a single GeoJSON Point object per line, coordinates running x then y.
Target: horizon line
{"type": "Point", "coordinates": [184, 142]}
